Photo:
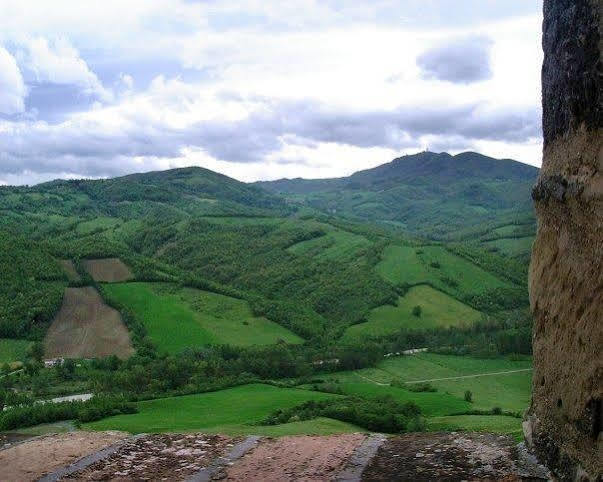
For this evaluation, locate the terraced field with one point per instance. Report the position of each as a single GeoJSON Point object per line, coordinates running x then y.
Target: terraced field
{"type": "Point", "coordinates": [437, 310]}
{"type": "Point", "coordinates": [179, 318]}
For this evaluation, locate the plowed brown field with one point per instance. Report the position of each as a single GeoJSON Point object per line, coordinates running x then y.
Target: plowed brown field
{"type": "Point", "coordinates": [108, 270]}
{"type": "Point", "coordinates": [86, 327]}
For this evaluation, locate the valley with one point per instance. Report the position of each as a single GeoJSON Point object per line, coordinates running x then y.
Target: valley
{"type": "Point", "coordinates": [188, 301]}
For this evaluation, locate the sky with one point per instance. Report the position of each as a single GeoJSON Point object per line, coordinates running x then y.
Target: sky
{"type": "Point", "coordinates": [263, 89]}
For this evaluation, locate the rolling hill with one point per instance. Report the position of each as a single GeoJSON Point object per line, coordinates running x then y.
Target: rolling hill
{"type": "Point", "coordinates": [433, 195]}
{"type": "Point", "coordinates": [290, 275]}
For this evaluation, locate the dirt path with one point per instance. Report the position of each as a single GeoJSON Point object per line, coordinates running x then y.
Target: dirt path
{"type": "Point", "coordinates": [31, 460]}
{"type": "Point", "coordinates": [307, 458]}
{"type": "Point", "coordinates": [460, 377]}
{"type": "Point", "coordinates": [471, 376]}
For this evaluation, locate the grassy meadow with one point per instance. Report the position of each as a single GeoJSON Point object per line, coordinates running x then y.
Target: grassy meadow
{"type": "Point", "coordinates": [223, 411]}
{"type": "Point", "coordinates": [435, 265]}
{"type": "Point", "coordinates": [178, 318]}
{"type": "Point", "coordinates": [438, 310]}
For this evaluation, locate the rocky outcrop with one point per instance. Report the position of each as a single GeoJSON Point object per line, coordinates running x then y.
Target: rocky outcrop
{"type": "Point", "coordinates": [564, 424]}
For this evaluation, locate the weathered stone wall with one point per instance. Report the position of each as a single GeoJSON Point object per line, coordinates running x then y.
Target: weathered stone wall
{"type": "Point", "coordinates": [566, 275]}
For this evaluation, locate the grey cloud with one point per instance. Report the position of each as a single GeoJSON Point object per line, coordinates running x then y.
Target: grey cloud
{"type": "Point", "coordinates": [462, 61]}
{"type": "Point", "coordinates": [92, 149]}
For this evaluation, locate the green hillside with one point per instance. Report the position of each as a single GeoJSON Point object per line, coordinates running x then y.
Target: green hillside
{"type": "Point", "coordinates": [228, 288]}
{"type": "Point", "coordinates": [429, 194]}
{"type": "Point", "coordinates": [177, 318]}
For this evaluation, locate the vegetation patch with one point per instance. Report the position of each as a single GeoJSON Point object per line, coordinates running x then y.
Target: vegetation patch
{"type": "Point", "coordinates": [86, 327]}
{"type": "Point", "coordinates": [435, 265]}
{"type": "Point", "coordinates": [511, 246]}
{"type": "Point", "coordinates": [335, 245]}
{"type": "Point", "coordinates": [177, 318]}
{"type": "Point", "coordinates": [108, 270]}
{"type": "Point", "coordinates": [382, 414]}
{"type": "Point", "coordinates": [436, 309]}
{"type": "Point", "coordinates": [501, 382]}
{"type": "Point", "coordinates": [216, 411]}
{"type": "Point", "coordinates": [12, 350]}
{"type": "Point", "coordinates": [69, 268]}
{"type": "Point", "coordinates": [477, 423]}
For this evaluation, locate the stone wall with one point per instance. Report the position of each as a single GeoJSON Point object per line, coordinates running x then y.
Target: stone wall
{"type": "Point", "coordinates": [564, 424]}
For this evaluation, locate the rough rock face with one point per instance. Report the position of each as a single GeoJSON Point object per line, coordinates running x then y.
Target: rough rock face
{"type": "Point", "coordinates": [566, 275]}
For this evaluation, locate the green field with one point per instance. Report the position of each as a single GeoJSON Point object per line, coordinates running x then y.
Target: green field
{"type": "Point", "coordinates": [13, 350]}
{"type": "Point", "coordinates": [437, 310]}
{"type": "Point", "coordinates": [179, 318]}
{"type": "Point", "coordinates": [335, 245]}
{"type": "Point", "coordinates": [509, 391]}
{"type": "Point", "coordinates": [512, 246]}
{"type": "Point", "coordinates": [405, 264]}
{"type": "Point", "coordinates": [431, 403]}
{"type": "Point", "coordinates": [477, 423]}
{"type": "Point", "coordinates": [225, 411]}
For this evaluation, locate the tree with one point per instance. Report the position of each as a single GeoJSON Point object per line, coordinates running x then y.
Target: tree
{"type": "Point", "coordinates": [468, 396]}
{"type": "Point", "coordinates": [417, 310]}
{"type": "Point", "coordinates": [36, 351]}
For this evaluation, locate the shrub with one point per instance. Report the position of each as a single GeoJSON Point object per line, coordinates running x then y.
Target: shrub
{"type": "Point", "coordinates": [417, 310]}
{"type": "Point", "coordinates": [381, 414]}
{"type": "Point", "coordinates": [468, 396]}
{"type": "Point", "coordinates": [420, 387]}
{"type": "Point", "coordinates": [435, 264]}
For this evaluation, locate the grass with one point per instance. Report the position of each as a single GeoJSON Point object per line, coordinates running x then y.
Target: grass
{"type": "Point", "coordinates": [437, 310]}
{"type": "Point", "coordinates": [13, 350]}
{"type": "Point", "coordinates": [316, 426]}
{"type": "Point", "coordinates": [431, 403]}
{"type": "Point", "coordinates": [477, 423]}
{"type": "Point", "coordinates": [404, 264]}
{"type": "Point", "coordinates": [509, 391]}
{"type": "Point", "coordinates": [335, 245]}
{"type": "Point", "coordinates": [512, 246]}
{"type": "Point", "coordinates": [179, 318]}
{"type": "Point", "coordinates": [232, 409]}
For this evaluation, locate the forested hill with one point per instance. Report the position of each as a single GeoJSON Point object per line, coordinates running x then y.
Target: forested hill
{"type": "Point", "coordinates": [191, 190]}
{"type": "Point", "coordinates": [429, 194]}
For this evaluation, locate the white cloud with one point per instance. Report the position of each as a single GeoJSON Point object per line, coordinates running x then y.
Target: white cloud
{"type": "Point", "coordinates": [258, 88]}
{"type": "Point", "coordinates": [59, 62]}
{"type": "Point", "coordinates": [12, 87]}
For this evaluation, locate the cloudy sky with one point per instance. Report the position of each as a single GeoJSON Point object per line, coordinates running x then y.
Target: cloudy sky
{"type": "Point", "coordinates": [263, 89]}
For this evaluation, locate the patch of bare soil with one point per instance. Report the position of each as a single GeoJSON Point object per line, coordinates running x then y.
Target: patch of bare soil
{"type": "Point", "coordinates": [158, 457]}
{"type": "Point", "coordinates": [34, 459]}
{"type": "Point", "coordinates": [448, 456]}
{"type": "Point", "coordinates": [108, 270]}
{"type": "Point", "coordinates": [305, 458]}
{"type": "Point", "coordinates": [69, 268]}
{"type": "Point", "coordinates": [86, 327]}
{"type": "Point", "coordinates": [8, 439]}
